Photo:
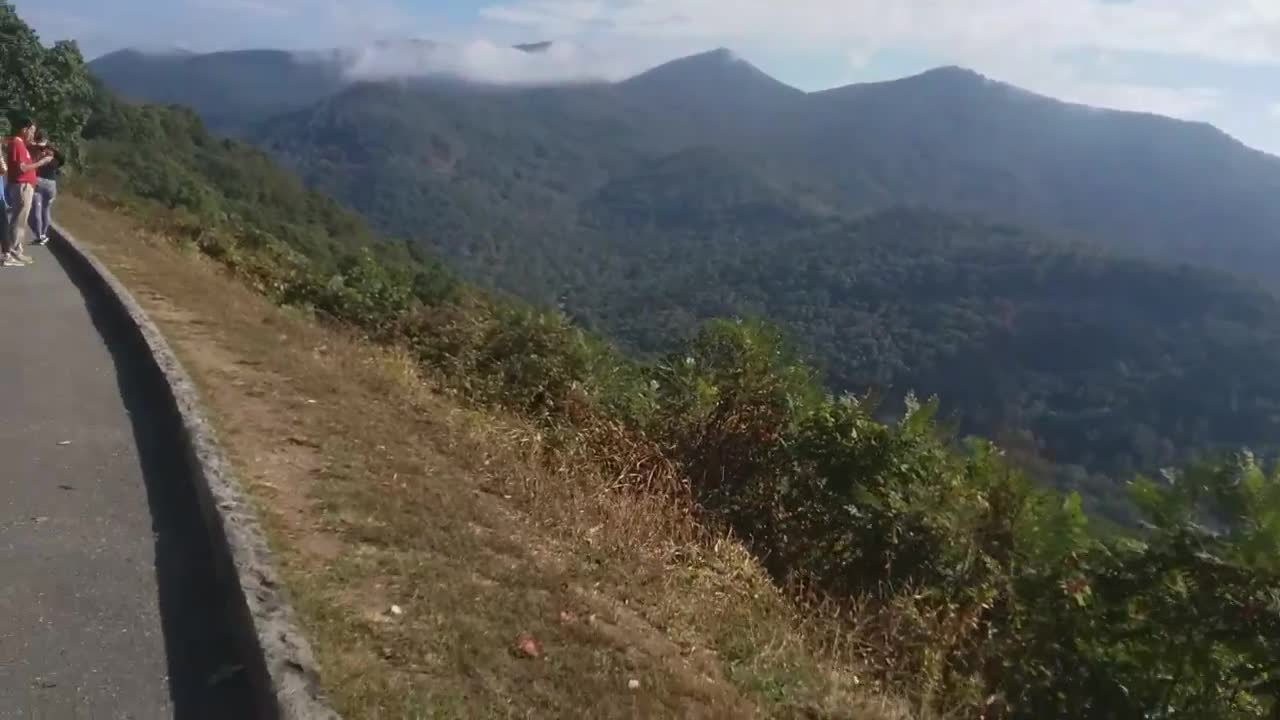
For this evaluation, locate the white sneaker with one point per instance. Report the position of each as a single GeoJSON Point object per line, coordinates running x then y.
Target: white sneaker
{"type": "Point", "coordinates": [8, 261]}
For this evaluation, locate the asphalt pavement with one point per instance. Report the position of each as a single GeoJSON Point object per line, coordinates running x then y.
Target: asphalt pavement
{"type": "Point", "coordinates": [108, 605]}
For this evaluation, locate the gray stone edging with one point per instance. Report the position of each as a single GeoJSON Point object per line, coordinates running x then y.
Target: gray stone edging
{"type": "Point", "coordinates": [285, 678]}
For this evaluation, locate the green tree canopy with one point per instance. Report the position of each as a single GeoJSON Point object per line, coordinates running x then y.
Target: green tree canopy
{"type": "Point", "coordinates": [49, 83]}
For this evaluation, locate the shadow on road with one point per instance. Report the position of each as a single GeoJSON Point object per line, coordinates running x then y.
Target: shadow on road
{"type": "Point", "coordinates": [211, 672]}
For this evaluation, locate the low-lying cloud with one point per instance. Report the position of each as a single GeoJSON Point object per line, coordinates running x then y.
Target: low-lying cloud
{"type": "Point", "coordinates": [482, 61]}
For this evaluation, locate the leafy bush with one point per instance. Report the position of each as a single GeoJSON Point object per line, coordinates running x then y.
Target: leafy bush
{"type": "Point", "coordinates": [1183, 622]}
{"type": "Point", "coordinates": [364, 293]}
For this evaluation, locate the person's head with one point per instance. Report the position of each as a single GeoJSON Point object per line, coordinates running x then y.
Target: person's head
{"type": "Point", "coordinates": [24, 127]}
{"type": "Point", "coordinates": [41, 138]}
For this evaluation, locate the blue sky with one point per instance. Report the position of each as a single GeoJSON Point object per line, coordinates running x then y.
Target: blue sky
{"type": "Point", "coordinates": [1211, 60]}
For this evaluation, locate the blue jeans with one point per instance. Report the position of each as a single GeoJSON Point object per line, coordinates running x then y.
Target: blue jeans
{"type": "Point", "coordinates": [42, 205]}
{"type": "Point", "coordinates": [4, 195]}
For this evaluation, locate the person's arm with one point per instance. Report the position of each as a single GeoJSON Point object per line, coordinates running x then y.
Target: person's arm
{"type": "Point", "coordinates": [37, 164]}
{"type": "Point", "coordinates": [18, 151]}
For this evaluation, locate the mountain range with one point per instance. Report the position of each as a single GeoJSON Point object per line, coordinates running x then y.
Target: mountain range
{"type": "Point", "coordinates": [232, 90]}
{"type": "Point", "coordinates": [950, 139]}
{"type": "Point", "coordinates": [1092, 286]}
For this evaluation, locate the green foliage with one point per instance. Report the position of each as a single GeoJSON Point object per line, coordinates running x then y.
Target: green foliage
{"type": "Point", "coordinates": [1109, 364]}
{"type": "Point", "coordinates": [537, 360]}
{"type": "Point", "coordinates": [364, 292]}
{"type": "Point", "coordinates": [728, 400]}
{"type": "Point", "coordinates": [1184, 622]}
{"type": "Point", "coordinates": [1018, 603]}
{"type": "Point", "coordinates": [51, 84]}
{"type": "Point", "coordinates": [165, 156]}
{"type": "Point", "coordinates": [232, 202]}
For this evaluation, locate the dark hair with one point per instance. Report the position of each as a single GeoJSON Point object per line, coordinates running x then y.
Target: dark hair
{"type": "Point", "coordinates": [22, 122]}
{"type": "Point", "coordinates": [41, 136]}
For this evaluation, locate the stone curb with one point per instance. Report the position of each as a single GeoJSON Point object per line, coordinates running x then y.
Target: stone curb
{"type": "Point", "coordinates": [285, 678]}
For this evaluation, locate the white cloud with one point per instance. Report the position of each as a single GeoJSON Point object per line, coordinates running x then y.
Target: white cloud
{"type": "Point", "coordinates": [484, 61]}
{"type": "Point", "coordinates": [1229, 30]}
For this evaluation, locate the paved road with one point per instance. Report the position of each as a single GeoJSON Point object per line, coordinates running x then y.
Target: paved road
{"type": "Point", "coordinates": [107, 606]}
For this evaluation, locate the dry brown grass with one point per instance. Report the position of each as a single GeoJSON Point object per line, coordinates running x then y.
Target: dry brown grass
{"type": "Point", "coordinates": [380, 494]}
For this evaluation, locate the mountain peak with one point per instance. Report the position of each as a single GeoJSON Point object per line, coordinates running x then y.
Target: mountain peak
{"type": "Point", "coordinates": [159, 51]}
{"type": "Point", "coordinates": [954, 72]}
{"type": "Point", "coordinates": [950, 77]}
{"type": "Point", "coordinates": [720, 57]}
{"type": "Point", "coordinates": [939, 82]}
{"type": "Point", "coordinates": [720, 71]}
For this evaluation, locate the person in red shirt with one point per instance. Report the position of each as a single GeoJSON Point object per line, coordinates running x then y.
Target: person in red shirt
{"type": "Point", "coordinates": [20, 191]}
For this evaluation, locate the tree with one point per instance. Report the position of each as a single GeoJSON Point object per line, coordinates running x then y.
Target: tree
{"type": "Point", "coordinates": [52, 84]}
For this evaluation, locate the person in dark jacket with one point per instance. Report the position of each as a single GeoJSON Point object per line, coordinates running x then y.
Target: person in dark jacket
{"type": "Point", "coordinates": [46, 188]}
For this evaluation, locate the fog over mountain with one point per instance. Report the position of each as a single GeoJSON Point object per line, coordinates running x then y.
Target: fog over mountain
{"type": "Point", "coordinates": [477, 61]}
{"type": "Point", "coordinates": [482, 61]}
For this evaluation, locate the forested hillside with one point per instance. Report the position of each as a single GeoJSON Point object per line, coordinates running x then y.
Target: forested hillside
{"type": "Point", "coordinates": [1100, 366]}
{"type": "Point", "coordinates": [962, 586]}
{"type": "Point", "coordinates": [1117, 365]}
{"type": "Point", "coordinates": [166, 156]}
{"type": "Point", "coordinates": [949, 139]}
{"type": "Point", "coordinates": [1048, 270]}
{"type": "Point", "coordinates": [223, 88]}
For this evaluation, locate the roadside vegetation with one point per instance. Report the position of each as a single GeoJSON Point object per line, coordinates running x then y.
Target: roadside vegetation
{"type": "Point", "coordinates": [772, 547]}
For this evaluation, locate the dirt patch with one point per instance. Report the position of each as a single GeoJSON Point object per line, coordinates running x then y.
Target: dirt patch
{"type": "Point", "coordinates": [280, 471]}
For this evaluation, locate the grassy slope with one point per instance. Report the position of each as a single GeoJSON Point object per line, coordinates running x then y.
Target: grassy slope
{"type": "Point", "coordinates": [378, 490]}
